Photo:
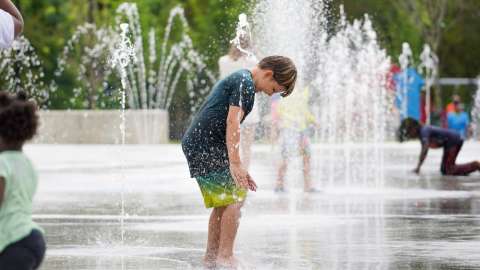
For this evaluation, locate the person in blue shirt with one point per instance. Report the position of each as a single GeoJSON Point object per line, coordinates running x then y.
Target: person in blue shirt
{"type": "Point", "coordinates": [211, 146]}
{"type": "Point", "coordinates": [408, 87]}
{"type": "Point", "coordinates": [435, 137]}
{"type": "Point", "coordinates": [458, 120]}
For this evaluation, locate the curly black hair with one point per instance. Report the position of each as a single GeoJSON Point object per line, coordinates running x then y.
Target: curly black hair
{"type": "Point", "coordinates": [18, 118]}
{"type": "Point", "coordinates": [407, 127]}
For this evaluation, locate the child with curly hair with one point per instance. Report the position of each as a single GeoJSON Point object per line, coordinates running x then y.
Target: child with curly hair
{"type": "Point", "coordinates": [435, 137]}
{"type": "Point", "coordinates": [22, 246]}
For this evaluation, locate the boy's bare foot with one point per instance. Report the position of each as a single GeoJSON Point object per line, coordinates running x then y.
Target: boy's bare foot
{"type": "Point", "coordinates": [279, 187]}
{"type": "Point", "coordinates": [209, 262]}
{"type": "Point", "coordinates": [311, 190]}
{"type": "Point", "coordinates": [227, 263]}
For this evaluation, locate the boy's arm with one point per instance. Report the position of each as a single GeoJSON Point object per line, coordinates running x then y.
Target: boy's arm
{"type": "Point", "coordinates": [239, 174]}
{"type": "Point", "coordinates": [10, 8]}
{"type": "Point", "coordinates": [235, 114]}
{"type": "Point", "coordinates": [2, 189]}
{"type": "Point", "coordinates": [423, 155]}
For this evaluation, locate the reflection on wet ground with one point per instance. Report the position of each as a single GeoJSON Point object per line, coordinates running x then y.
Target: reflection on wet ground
{"type": "Point", "coordinates": [414, 222]}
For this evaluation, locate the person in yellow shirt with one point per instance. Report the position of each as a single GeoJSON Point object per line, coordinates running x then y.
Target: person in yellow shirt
{"type": "Point", "coordinates": [295, 120]}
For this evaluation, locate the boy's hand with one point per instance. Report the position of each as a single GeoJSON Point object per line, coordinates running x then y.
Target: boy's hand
{"type": "Point", "coordinates": [239, 174]}
{"type": "Point", "coordinates": [251, 184]}
{"type": "Point", "coordinates": [241, 177]}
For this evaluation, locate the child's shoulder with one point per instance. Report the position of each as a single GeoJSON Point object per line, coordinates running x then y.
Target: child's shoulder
{"type": "Point", "coordinates": [242, 76]}
{"type": "Point", "coordinates": [243, 72]}
{"type": "Point", "coordinates": [10, 157]}
{"type": "Point", "coordinates": [238, 77]}
{"type": "Point", "coordinates": [5, 163]}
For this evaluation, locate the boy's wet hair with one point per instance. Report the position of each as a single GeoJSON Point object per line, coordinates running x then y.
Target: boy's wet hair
{"type": "Point", "coordinates": [407, 125]}
{"type": "Point", "coordinates": [18, 118]}
{"type": "Point", "coordinates": [284, 71]}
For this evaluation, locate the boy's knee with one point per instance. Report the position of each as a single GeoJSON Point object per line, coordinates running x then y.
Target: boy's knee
{"type": "Point", "coordinates": [237, 205]}
{"type": "Point", "coordinates": [236, 209]}
{"type": "Point", "coordinates": [450, 171]}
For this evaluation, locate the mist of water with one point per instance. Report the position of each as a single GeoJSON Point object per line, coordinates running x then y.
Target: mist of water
{"type": "Point", "coordinates": [476, 112]}
{"type": "Point", "coordinates": [22, 70]}
{"type": "Point", "coordinates": [122, 56]}
{"type": "Point", "coordinates": [153, 79]}
{"type": "Point", "coordinates": [345, 68]}
{"type": "Point", "coordinates": [429, 69]}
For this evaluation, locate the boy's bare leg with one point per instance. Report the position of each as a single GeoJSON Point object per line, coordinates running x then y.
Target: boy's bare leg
{"type": "Point", "coordinates": [229, 225]}
{"type": "Point", "coordinates": [307, 180]}
{"type": "Point", "coordinates": [213, 237]}
{"type": "Point", "coordinates": [282, 170]}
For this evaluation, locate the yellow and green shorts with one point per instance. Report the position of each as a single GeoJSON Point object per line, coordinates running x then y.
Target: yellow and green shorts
{"type": "Point", "coordinates": [219, 189]}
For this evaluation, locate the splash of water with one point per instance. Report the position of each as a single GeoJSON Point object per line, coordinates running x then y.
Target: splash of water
{"type": "Point", "coordinates": [346, 70]}
{"type": "Point", "coordinates": [22, 70]}
{"type": "Point", "coordinates": [156, 88]}
{"type": "Point", "coordinates": [476, 112]}
{"type": "Point", "coordinates": [150, 83]}
{"type": "Point", "coordinates": [121, 57]}
{"type": "Point", "coordinates": [292, 29]}
{"type": "Point", "coordinates": [353, 102]}
{"type": "Point", "coordinates": [87, 51]}
{"type": "Point", "coordinates": [429, 68]}
{"type": "Point", "coordinates": [243, 34]}
{"type": "Point", "coordinates": [405, 59]}
{"type": "Point", "coordinates": [295, 29]}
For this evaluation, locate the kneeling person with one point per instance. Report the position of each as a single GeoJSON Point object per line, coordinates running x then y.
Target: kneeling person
{"type": "Point", "coordinates": [435, 137]}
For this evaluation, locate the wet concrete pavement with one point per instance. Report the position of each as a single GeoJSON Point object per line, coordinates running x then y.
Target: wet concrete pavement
{"type": "Point", "coordinates": [412, 222]}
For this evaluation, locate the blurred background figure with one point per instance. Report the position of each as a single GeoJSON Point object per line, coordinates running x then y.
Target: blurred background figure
{"type": "Point", "coordinates": [458, 120]}
{"type": "Point", "coordinates": [295, 123]}
{"type": "Point", "coordinates": [450, 108]}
